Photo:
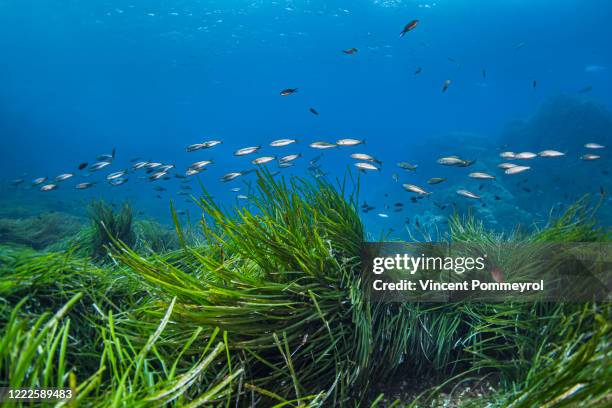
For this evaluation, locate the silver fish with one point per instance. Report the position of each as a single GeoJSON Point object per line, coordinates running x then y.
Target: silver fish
{"type": "Point", "coordinates": [38, 181]}
{"type": "Point", "coordinates": [263, 160]}
{"type": "Point", "coordinates": [83, 186]}
{"type": "Point", "coordinates": [157, 175]}
{"type": "Point", "coordinates": [235, 189]}
{"type": "Point", "coordinates": [193, 172]}
{"type": "Point", "coordinates": [118, 182]}
{"type": "Point", "coordinates": [525, 156]}
{"type": "Point", "coordinates": [415, 189]}
{"type": "Point", "coordinates": [322, 145]}
{"type": "Point", "coordinates": [64, 177]}
{"type": "Point", "coordinates": [116, 175]}
{"type": "Point", "coordinates": [450, 161]}
{"type": "Point", "coordinates": [468, 194]}
{"type": "Point", "coordinates": [282, 142]}
{"type": "Point", "coordinates": [289, 158]}
{"type": "Point", "coordinates": [211, 143]}
{"type": "Point", "coordinates": [285, 165]}
{"type": "Point", "coordinates": [200, 164]}
{"type": "Point", "coordinates": [507, 155]}
{"type": "Point", "coordinates": [246, 150]}
{"type": "Point", "coordinates": [152, 165]}
{"type": "Point", "coordinates": [481, 175]}
{"type": "Point", "coordinates": [194, 147]}
{"type": "Point", "coordinates": [594, 146]}
{"type": "Point", "coordinates": [99, 165]}
{"type": "Point", "coordinates": [506, 166]}
{"type": "Point", "coordinates": [349, 142]}
{"type": "Point", "coordinates": [383, 215]}
{"type": "Point", "coordinates": [550, 153]}
{"type": "Point", "coordinates": [407, 166]}
{"type": "Point", "coordinates": [166, 167]}
{"type": "Point", "coordinates": [49, 187]}
{"type": "Point", "coordinates": [139, 165]}
{"type": "Point", "coordinates": [366, 166]}
{"type": "Point", "coordinates": [517, 169]}
{"type": "Point", "coordinates": [365, 157]}
{"type": "Point", "coordinates": [242, 197]}
{"type": "Point", "coordinates": [590, 157]}
{"type": "Point", "coordinates": [231, 176]}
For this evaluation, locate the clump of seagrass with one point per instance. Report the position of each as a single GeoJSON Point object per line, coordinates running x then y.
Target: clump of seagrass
{"type": "Point", "coordinates": [40, 231]}
{"type": "Point", "coordinates": [281, 276]}
{"type": "Point", "coordinates": [109, 226]}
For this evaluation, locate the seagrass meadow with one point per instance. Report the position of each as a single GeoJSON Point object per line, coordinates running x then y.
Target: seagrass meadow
{"type": "Point", "coordinates": [264, 305]}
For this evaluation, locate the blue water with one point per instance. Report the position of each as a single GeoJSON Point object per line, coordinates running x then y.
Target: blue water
{"type": "Point", "coordinates": [151, 77]}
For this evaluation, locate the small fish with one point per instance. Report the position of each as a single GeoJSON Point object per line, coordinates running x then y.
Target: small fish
{"type": "Point", "coordinates": [480, 187]}
{"type": "Point", "coordinates": [450, 161]}
{"type": "Point", "coordinates": [289, 158]}
{"type": "Point", "coordinates": [211, 143]}
{"type": "Point", "coordinates": [322, 145]}
{"type": "Point", "coordinates": [366, 166]}
{"type": "Point", "coordinates": [246, 150]}
{"type": "Point", "coordinates": [407, 166]}
{"type": "Point", "coordinates": [395, 177]}
{"type": "Point", "coordinates": [349, 142]}
{"type": "Point", "coordinates": [527, 189]}
{"type": "Point", "coordinates": [497, 198]}
{"type": "Point", "coordinates": [468, 194]}
{"type": "Point", "coordinates": [481, 175]}
{"type": "Point", "coordinates": [231, 176]}
{"type": "Point", "coordinates": [200, 164]}
{"type": "Point", "coordinates": [594, 146]}
{"type": "Point", "coordinates": [83, 186]}
{"type": "Point", "coordinates": [282, 142]}
{"type": "Point", "coordinates": [418, 71]}
{"type": "Point", "coordinates": [383, 215]}
{"type": "Point", "coordinates": [350, 51]}
{"type": "Point", "coordinates": [590, 157]}
{"type": "Point", "coordinates": [436, 180]}
{"type": "Point", "coordinates": [152, 165]}
{"type": "Point", "coordinates": [263, 160]}
{"type": "Point", "coordinates": [497, 275]}
{"type": "Point", "coordinates": [314, 111]}
{"type": "Point", "coordinates": [586, 89]}
{"type": "Point", "coordinates": [506, 166]}
{"type": "Point", "coordinates": [409, 27]}
{"type": "Point", "coordinates": [235, 189]}
{"type": "Point", "coordinates": [242, 197]}
{"type": "Point", "coordinates": [38, 181]}
{"type": "Point", "coordinates": [519, 46]}
{"type": "Point", "coordinates": [602, 192]}
{"type": "Point", "coordinates": [550, 153]}
{"type": "Point", "coordinates": [315, 160]}
{"type": "Point", "coordinates": [17, 182]}
{"type": "Point", "coordinates": [157, 175]}
{"type": "Point", "coordinates": [525, 156]}
{"type": "Point", "coordinates": [534, 84]}
{"type": "Point", "coordinates": [507, 155]}
{"type": "Point", "coordinates": [446, 85]}
{"type": "Point", "coordinates": [194, 147]}
{"type": "Point", "coordinates": [288, 91]}
{"type": "Point", "coordinates": [82, 165]}
{"type": "Point", "coordinates": [118, 182]}
{"type": "Point", "coordinates": [484, 73]}
{"type": "Point", "coordinates": [139, 165]}
{"type": "Point", "coordinates": [64, 177]}
{"type": "Point", "coordinates": [99, 165]}
{"type": "Point", "coordinates": [415, 189]}
{"type": "Point", "coordinates": [399, 204]}
{"type": "Point", "coordinates": [116, 175]}
{"type": "Point", "coordinates": [49, 187]}
{"type": "Point", "coordinates": [365, 157]}
{"type": "Point", "coordinates": [517, 169]}
{"type": "Point", "coordinates": [165, 167]}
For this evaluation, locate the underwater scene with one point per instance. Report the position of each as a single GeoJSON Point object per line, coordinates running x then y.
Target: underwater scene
{"type": "Point", "coordinates": [189, 191]}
